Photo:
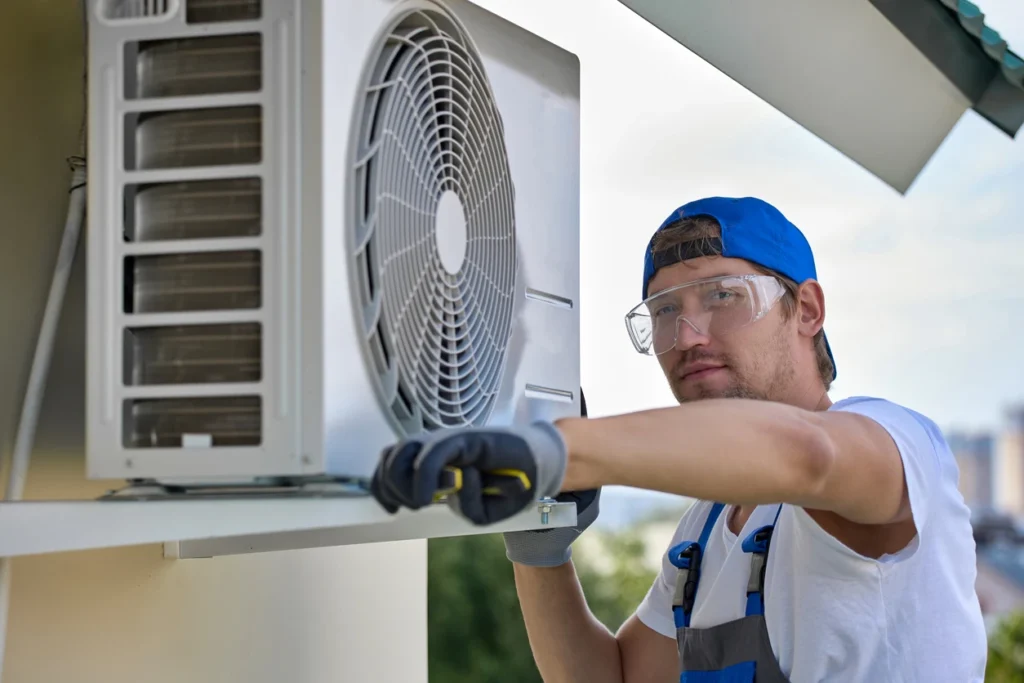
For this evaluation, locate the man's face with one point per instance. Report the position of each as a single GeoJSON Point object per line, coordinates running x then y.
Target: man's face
{"type": "Point", "coordinates": [755, 361]}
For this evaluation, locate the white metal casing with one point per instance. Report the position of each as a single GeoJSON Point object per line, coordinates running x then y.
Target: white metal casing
{"type": "Point", "coordinates": [321, 414]}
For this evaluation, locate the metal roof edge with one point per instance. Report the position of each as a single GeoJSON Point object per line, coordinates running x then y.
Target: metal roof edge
{"type": "Point", "coordinates": [972, 19]}
{"type": "Point", "coordinates": [953, 36]}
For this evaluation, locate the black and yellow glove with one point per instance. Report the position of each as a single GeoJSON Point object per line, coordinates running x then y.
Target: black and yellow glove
{"type": "Point", "coordinates": [486, 474]}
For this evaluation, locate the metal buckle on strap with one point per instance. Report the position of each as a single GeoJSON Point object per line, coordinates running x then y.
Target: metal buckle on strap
{"type": "Point", "coordinates": [756, 580]}
{"type": "Point", "coordinates": [686, 557]}
{"type": "Point", "coordinates": [757, 544]}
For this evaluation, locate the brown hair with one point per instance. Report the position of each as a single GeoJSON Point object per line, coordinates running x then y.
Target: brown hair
{"type": "Point", "coordinates": [702, 237]}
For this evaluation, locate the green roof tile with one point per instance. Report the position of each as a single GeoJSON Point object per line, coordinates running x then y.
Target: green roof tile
{"type": "Point", "coordinates": [973, 21]}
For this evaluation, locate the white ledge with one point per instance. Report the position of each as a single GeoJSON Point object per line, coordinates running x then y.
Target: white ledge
{"type": "Point", "coordinates": [205, 528]}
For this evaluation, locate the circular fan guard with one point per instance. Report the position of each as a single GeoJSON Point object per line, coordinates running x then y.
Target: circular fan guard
{"type": "Point", "coordinates": [434, 242]}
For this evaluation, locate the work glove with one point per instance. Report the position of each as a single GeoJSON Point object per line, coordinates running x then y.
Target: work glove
{"type": "Point", "coordinates": [503, 470]}
{"type": "Point", "coordinates": [553, 547]}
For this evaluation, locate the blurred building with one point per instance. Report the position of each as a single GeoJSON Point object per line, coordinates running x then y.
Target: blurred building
{"type": "Point", "coordinates": [974, 453]}
{"type": "Point", "coordinates": [1000, 579]}
{"type": "Point", "coordinates": [1009, 463]}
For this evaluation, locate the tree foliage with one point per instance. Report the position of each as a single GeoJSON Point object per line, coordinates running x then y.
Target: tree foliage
{"type": "Point", "coordinates": [1006, 651]}
{"type": "Point", "coordinates": [475, 630]}
{"type": "Point", "coordinates": [475, 627]}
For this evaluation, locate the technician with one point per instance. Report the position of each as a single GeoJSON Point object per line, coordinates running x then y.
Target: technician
{"type": "Point", "coordinates": [829, 541]}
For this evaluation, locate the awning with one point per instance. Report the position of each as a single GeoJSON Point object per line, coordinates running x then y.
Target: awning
{"type": "Point", "coordinates": [882, 81]}
{"type": "Point", "coordinates": [969, 52]}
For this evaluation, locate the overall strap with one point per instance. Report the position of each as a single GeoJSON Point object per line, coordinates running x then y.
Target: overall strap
{"type": "Point", "coordinates": [686, 556]}
{"type": "Point", "coordinates": [757, 544]}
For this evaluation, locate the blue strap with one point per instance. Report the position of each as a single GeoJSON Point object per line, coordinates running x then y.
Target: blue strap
{"type": "Point", "coordinates": [757, 543]}
{"type": "Point", "coordinates": [686, 556]}
{"type": "Point", "coordinates": [755, 603]}
{"type": "Point", "coordinates": [741, 672]}
{"type": "Point", "coordinates": [705, 533]}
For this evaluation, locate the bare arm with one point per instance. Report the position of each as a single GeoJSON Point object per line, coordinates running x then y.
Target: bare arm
{"type": "Point", "coordinates": [647, 656]}
{"type": "Point", "coordinates": [569, 644]}
{"type": "Point", "coordinates": [838, 462]}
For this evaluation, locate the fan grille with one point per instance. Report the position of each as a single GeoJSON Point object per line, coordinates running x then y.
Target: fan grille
{"type": "Point", "coordinates": [434, 239]}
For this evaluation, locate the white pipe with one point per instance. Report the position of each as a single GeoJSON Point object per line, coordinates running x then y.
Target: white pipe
{"type": "Point", "coordinates": [47, 334]}
{"type": "Point", "coordinates": [40, 367]}
{"type": "Point", "coordinates": [41, 359]}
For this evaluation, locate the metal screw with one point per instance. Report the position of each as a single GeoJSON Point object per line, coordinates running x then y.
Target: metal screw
{"type": "Point", "coordinates": [128, 463]}
{"type": "Point", "coordinates": [545, 508]}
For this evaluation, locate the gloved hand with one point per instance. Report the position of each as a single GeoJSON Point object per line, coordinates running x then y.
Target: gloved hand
{"type": "Point", "coordinates": [552, 547]}
{"type": "Point", "coordinates": [410, 472]}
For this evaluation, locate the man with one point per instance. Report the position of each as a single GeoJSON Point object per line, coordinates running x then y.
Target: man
{"type": "Point", "coordinates": [829, 542]}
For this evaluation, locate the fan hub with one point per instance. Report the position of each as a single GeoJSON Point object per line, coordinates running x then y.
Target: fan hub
{"type": "Point", "coordinates": [450, 231]}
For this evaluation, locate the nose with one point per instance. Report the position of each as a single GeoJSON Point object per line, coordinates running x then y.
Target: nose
{"type": "Point", "coordinates": [688, 335]}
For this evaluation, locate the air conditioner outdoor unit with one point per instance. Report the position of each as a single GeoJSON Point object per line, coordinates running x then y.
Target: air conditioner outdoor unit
{"type": "Point", "coordinates": [318, 225]}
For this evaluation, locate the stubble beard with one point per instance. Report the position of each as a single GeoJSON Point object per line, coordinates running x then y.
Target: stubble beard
{"type": "Point", "coordinates": [736, 389]}
{"type": "Point", "coordinates": [774, 360]}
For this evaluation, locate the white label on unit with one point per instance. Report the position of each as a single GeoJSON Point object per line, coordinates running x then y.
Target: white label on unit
{"type": "Point", "coordinates": [196, 440]}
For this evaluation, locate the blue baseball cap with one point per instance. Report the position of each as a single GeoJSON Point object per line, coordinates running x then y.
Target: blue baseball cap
{"type": "Point", "coordinates": [752, 230]}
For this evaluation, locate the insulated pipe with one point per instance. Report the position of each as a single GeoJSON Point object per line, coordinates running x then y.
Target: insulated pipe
{"type": "Point", "coordinates": [40, 367]}
{"type": "Point", "coordinates": [44, 351]}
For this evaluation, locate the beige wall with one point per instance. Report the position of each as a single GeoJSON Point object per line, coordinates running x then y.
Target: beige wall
{"type": "Point", "coordinates": [325, 615]}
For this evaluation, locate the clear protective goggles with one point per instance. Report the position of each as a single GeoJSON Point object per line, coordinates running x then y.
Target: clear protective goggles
{"type": "Point", "coordinates": [713, 307]}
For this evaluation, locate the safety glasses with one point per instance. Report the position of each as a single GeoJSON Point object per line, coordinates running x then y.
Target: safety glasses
{"type": "Point", "coordinates": [713, 307]}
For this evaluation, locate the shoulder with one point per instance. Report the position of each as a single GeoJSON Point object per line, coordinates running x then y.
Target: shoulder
{"type": "Point", "coordinates": [889, 411]}
{"type": "Point", "coordinates": [656, 608]}
{"type": "Point", "coordinates": [915, 435]}
{"type": "Point", "coordinates": [692, 521]}
{"type": "Point", "coordinates": [929, 475]}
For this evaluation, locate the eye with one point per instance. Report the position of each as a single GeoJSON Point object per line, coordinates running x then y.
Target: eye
{"type": "Point", "coordinates": [722, 296]}
{"type": "Point", "coordinates": [666, 310]}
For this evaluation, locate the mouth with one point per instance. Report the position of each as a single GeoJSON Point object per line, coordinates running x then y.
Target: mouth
{"type": "Point", "coordinates": [699, 372]}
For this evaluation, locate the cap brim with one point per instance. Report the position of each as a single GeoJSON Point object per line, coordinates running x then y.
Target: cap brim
{"type": "Point", "coordinates": [828, 348]}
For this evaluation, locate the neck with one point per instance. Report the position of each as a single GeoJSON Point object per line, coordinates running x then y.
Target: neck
{"type": "Point", "coordinates": [808, 393]}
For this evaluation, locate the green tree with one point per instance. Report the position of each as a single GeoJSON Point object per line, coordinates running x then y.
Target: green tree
{"type": "Point", "coordinates": [1006, 651]}
{"type": "Point", "coordinates": [475, 630]}
{"type": "Point", "coordinates": [475, 627]}
{"type": "Point", "coordinates": [614, 594]}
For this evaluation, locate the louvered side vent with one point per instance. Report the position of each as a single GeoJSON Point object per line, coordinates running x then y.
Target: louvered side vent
{"type": "Point", "coordinates": [212, 11]}
{"type": "Point", "coordinates": [135, 9]}
{"type": "Point", "coordinates": [193, 263]}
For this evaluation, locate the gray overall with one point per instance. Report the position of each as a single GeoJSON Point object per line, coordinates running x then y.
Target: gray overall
{"type": "Point", "coordinates": [734, 652]}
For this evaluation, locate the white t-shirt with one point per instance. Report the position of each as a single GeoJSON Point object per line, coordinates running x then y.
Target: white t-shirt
{"type": "Point", "coordinates": [835, 615]}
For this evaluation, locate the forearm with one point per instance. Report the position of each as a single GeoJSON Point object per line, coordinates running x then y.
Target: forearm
{"type": "Point", "coordinates": [569, 644]}
{"type": "Point", "coordinates": [742, 452]}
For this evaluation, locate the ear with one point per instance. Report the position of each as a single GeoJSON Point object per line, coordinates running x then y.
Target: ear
{"type": "Point", "coordinates": [810, 308]}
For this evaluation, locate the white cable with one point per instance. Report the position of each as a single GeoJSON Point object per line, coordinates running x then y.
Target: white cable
{"type": "Point", "coordinates": [41, 360]}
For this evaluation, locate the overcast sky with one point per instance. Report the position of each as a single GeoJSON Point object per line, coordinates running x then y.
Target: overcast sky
{"type": "Point", "coordinates": [937, 326]}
